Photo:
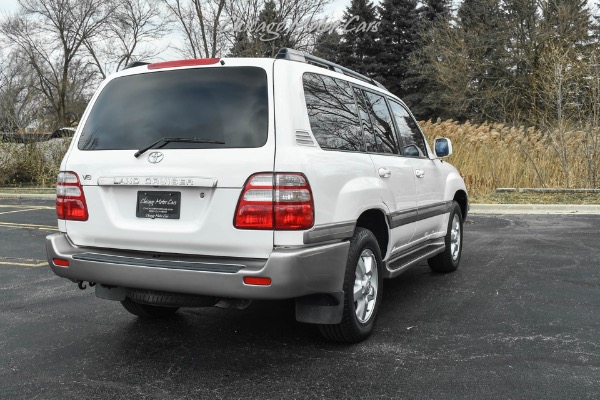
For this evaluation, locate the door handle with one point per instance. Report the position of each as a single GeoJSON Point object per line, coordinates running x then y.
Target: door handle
{"type": "Point", "coordinates": [419, 173]}
{"type": "Point", "coordinates": [385, 173]}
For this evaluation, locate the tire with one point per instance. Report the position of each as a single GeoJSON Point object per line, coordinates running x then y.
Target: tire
{"type": "Point", "coordinates": [148, 311]}
{"type": "Point", "coordinates": [358, 318]}
{"type": "Point", "coordinates": [449, 260]}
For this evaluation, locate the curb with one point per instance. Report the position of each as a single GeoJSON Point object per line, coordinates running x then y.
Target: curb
{"type": "Point", "coordinates": [545, 190]}
{"type": "Point", "coordinates": [581, 209]}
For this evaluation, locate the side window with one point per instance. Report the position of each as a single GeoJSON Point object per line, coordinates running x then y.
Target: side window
{"type": "Point", "coordinates": [412, 139]}
{"type": "Point", "coordinates": [332, 113]}
{"type": "Point", "coordinates": [383, 127]}
{"type": "Point", "coordinates": [365, 120]}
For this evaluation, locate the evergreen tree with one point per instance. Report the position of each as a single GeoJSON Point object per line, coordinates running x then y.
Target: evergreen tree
{"type": "Point", "coordinates": [486, 37]}
{"type": "Point", "coordinates": [398, 40]}
{"type": "Point", "coordinates": [267, 39]}
{"type": "Point", "coordinates": [271, 40]}
{"type": "Point", "coordinates": [358, 46]}
{"type": "Point", "coordinates": [567, 22]}
{"type": "Point", "coordinates": [242, 46]}
{"type": "Point", "coordinates": [422, 94]}
{"type": "Point", "coordinates": [523, 18]}
{"type": "Point", "coordinates": [434, 10]}
{"type": "Point", "coordinates": [327, 46]}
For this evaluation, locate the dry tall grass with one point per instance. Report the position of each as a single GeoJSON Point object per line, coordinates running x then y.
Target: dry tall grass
{"type": "Point", "coordinates": [493, 155]}
{"type": "Point", "coordinates": [31, 163]}
{"type": "Point", "coordinates": [488, 156]}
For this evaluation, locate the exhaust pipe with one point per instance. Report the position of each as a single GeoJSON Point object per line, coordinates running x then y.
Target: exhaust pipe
{"type": "Point", "coordinates": [233, 303]}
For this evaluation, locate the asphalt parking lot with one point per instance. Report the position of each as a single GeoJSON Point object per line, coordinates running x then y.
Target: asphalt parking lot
{"type": "Point", "coordinates": [520, 319]}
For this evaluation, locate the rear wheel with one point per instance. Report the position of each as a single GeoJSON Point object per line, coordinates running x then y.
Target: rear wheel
{"type": "Point", "coordinates": [362, 290]}
{"type": "Point", "coordinates": [146, 310]}
{"type": "Point", "coordinates": [448, 260]}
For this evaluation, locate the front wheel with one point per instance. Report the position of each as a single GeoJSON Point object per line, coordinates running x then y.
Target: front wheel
{"type": "Point", "coordinates": [448, 260]}
{"type": "Point", "coordinates": [363, 284]}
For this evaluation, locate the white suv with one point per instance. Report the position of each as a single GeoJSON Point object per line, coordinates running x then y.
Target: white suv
{"type": "Point", "coordinates": [218, 181]}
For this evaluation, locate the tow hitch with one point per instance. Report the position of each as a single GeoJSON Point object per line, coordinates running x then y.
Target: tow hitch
{"type": "Point", "coordinates": [81, 284]}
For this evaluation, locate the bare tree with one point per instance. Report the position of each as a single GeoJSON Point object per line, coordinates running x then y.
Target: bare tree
{"type": "Point", "coordinates": [50, 34]}
{"type": "Point", "coordinates": [19, 103]}
{"type": "Point", "coordinates": [130, 34]}
{"type": "Point", "coordinates": [201, 23]}
{"type": "Point", "coordinates": [590, 116]}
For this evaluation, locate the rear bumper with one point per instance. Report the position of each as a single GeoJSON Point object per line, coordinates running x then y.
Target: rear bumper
{"type": "Point", "coordinates": [294, 272]}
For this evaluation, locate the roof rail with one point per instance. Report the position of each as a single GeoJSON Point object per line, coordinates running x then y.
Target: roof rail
{"type": "Point", "coordinates": [136, 64]}
{"type": "Point", "coordinates": [297, 55]}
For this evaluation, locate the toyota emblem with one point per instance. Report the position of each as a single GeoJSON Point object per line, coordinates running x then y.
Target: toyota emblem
{"type": "Point", "coordinates": [155, 157]}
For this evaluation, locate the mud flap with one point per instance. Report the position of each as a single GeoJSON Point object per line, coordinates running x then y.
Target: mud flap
{"type": "Point", "coordinates": [326, 308]}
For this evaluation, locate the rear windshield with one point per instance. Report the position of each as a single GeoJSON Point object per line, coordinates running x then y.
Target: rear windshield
{"type": "Point", "coordinates": [228, 104]}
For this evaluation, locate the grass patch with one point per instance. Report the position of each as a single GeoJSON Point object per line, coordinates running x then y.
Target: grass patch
{"type": "Point", "coordinates": [491, 155]}
{"type": "Point", "coordinates": [535, 198]}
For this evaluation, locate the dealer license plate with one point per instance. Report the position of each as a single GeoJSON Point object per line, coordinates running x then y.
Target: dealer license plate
{"type": "Point", "coordinates": [163, 205]}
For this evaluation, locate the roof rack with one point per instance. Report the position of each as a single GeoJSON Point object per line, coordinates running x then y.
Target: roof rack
{"type": "Point", "coordinates": [136, 64]}
{"type": "Point", "coordinates": [297, 55]}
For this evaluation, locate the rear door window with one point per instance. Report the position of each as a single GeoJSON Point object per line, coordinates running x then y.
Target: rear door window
{"type": "Point", "coordinates": [370, 142]}
{"type": "Point", "coordinates": [383, 126]}
{"type": "Point", "coordinates": [228, 104]}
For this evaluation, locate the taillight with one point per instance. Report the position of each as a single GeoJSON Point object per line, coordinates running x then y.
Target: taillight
{"type": "Point", "coordinates": [70, 201]}
{"type": "Point", "coordinates": [281, 201]}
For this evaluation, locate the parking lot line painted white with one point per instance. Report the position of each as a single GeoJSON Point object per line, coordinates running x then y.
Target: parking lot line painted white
{"type": "Point", "coordinates": [23, 262]}
{"type": "Point", "coordinates": [22, 206]}
{"type": "Point", "coordinates": [28, 226]}
{"type": "Point", "coordinates": [16, 211]}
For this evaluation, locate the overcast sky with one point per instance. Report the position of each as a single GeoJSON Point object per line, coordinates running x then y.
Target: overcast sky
{"type": "Point", "coordinates": [8, 5]}
{"type": "Point", "coordinates": [336, 7]}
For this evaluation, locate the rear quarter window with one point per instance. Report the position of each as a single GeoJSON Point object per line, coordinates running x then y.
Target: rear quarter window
{"type": "Point", "coordinates": [332, 113]}
{"type": "Point", "coordinates": [226, 104]}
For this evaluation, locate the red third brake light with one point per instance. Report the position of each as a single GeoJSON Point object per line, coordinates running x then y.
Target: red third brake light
{"type": "Point", "coordinates": [184, 63]}
{"type": "Point", "coordinates": [70, 201]}
{"type": "Point", "coordinates": [281, 201]}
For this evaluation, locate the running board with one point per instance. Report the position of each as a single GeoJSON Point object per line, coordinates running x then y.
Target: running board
{"type": "Point", "coordinates": [403, 261]}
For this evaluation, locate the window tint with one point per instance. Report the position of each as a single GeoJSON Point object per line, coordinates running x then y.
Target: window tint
{"type": "Point", "coordinates": [413, 144]}
{"type": "Point", "coordinates": [370, 141]}
{"type": "Point", "coordinates": [383, 127]}
{"type": "Point", "coordinates": [332, 113]}
{"type": "Point", "coordinates": [222, 104]}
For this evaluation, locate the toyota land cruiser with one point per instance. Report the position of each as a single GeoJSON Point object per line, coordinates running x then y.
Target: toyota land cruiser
{"type": "Point", "coordinates": [217, 181]}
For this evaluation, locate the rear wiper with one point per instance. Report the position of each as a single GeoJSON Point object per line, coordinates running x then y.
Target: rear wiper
{"type": "Point", "coordinates": [167, 140]}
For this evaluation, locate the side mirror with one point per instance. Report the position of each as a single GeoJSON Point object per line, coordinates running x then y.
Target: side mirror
{"type": "Point", "coordinates": [442, 147]}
